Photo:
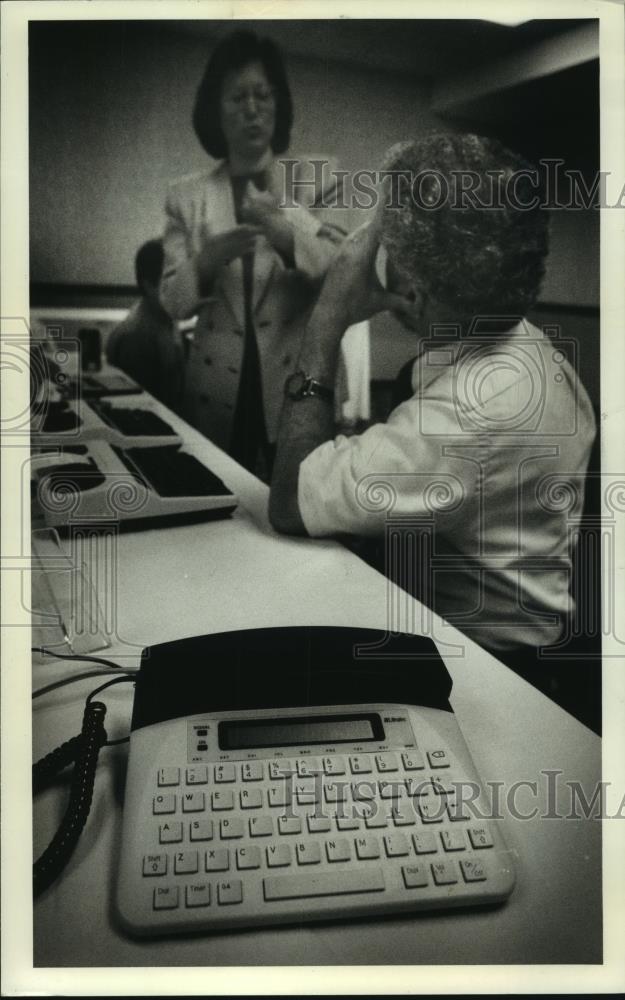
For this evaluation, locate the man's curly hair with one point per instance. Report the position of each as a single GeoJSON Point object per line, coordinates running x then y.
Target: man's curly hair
{"type": "Point", "coordinates": [472, 259]}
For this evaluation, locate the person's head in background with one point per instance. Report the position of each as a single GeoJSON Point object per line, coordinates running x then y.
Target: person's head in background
{"type": "Point", "coordinates": [243, 110]}
{"type": "Point", "coordinates": [148, 270]}
{"type": "Point", "coordinates": [452, 258]}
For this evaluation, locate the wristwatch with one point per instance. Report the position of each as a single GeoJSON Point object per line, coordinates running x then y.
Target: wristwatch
{"type": "Point", "coordinates": [300, 386]}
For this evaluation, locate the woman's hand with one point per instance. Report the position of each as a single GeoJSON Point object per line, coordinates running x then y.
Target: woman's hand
{"type": "Point", "coordinates": [219, 249]}
{"type": "Point", "coordinates": [352, 291]}
{"type": "Point", "coordinates": [261, 208]}
{"type": "Point", "coordinates": [258, 207]}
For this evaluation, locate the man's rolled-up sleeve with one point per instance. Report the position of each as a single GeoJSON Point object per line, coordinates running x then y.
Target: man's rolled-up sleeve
{"type": "Point", "coordinates": [351, 484]}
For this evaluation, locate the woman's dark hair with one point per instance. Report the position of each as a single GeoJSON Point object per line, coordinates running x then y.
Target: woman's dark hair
{"type": "Point", "coordinates": [468, 225]}
{"type": "Point", "coordinates": [235, 52]}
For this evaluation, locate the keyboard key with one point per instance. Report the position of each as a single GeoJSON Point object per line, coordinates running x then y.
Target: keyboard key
{"type": "Point", "coordinates": [386, 762]}
{"type": "Point", "coordinates": [396, 845]}
{"type": "Point", "coordinates": [438, 758]}
{"type": "Point", "coordinates": [168, 776]}
{"type": "Point", "coordinates": [456, 808]}
{"type": "Point", "coordinates": [248, 857]}
{"type": "Point", "coordinates": [430, 808]}
{"type": "Point", "coordinates": [322, 884]}
{"type": "Point", "coordinates": [185, 863]}
{"type": "Point", "coordinates": [417, 786]}
{"type": "Point", "coordinates": [425, 843]}
{"type": "Point", "coordinates": [348, 823]}
{"type": "Point", "coordinates": [170, 833]}
{"type": "Point", "coordinates": [222, 800]}
{"type": "Point", "coordinates": [201, 829]}
{"type": "Point", "coordinates": [278, 855]}
{"type": "Point", "coordinates": [367, 847]}
{"type": "Point", "coordinates": [318, 824]}
{"type": "Point", "coordinates": [224, 773]}
{"type": "Point", "coordinates": [197, 775]}
{"type": "Point", "coordinates": [164, 804]}
{"type": "Point", "coordinates": [280, 795]}
{"type": "Point", "coordinates": [198, 894]}
{"type": "Point", "coordinates": [360, 763]}
{"type": "Point", "coordinates": [453, 840]}
{"type": "Point", "coordinates": [413, 760]}
{"type": "Point", "coordinates": [480, 836]}
{"type": "Point", "coordinates": [261, 826]}
{"type": "Point", "coordinates": [155, 864]}
{"type": "Point", "coordinates": [230, 892]}
{"type": "Point", "coordinates": [390, 789]}
{"type": "Point", "coordinates": [289, 825]}
{"type": "Point", "coordinates": [251, 798]}
{"type": "Point", "coordinates": [338, 850]}
{"type": "Point", "coordinates": [444, 784]}
{"type": "Point", "coordinates": [307, 766]}
{"type": "Point", "coordinates": [473, 871]}
{"type": "Point", "coordinates": [333, 765]}
{"type": "Point", "coordinates": [415, 876]}
{"type": "Point", "coordinates": [444, 872]}
{"type": "Point", "coordinates": [280, 768]}
{"type": "Point", "coordinates": [376, 818]}
{"type": "Point", "coordinates": [335, 791]}
{"type": "Point", "coordinates": [218, 859]}
{"type": "Point", "coordinates": [307, 853]}
{"type": "Point", "coordinates": [166, 897]}
{"type": "Point", "coordinates": [402, 812]}
{"type": "Point", "coordinates": [193, 802]}
{"type": "Point", "coordinates": [252, 771]}
{"type": "Point", "coordinates": [231, 828]}
{"type": "Point", "coordinates": [306, 791]}
{"type": "Point", "coordinates": [363, 791]}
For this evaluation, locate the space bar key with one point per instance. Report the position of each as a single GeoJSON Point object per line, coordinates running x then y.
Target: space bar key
{"type": "Point", "coordinates": [331, 884]}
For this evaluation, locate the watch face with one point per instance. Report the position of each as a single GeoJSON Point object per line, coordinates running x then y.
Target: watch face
{"type": "Point", "coordinates": [295, 385]}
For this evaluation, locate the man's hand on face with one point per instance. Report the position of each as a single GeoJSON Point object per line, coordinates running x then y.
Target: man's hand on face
{"type": "Point", "coordinates": [352, 291]}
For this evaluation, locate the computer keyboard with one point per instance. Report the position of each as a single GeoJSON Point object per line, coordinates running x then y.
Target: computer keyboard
{"type": "Point", "coordinates": [132, 421]}
{"type": "Point", "coordinates": [171, 472]}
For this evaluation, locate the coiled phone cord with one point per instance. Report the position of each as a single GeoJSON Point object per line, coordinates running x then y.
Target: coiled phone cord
{"type": "Point", "coordinates": [84, 751]}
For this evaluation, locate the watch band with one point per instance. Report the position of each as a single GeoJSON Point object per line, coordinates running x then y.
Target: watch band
{"type": "Point", "coordinates": [302, 386]}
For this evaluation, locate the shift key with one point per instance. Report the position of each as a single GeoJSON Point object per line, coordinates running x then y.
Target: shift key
{"type": "Point", "coordinates": [321, 884]}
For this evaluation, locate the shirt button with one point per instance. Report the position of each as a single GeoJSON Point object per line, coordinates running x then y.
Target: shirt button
{"type": "Point", "coordinates": [208, 361]}
{"type": "Point", "coordinates": [204, 398]}
{"type": "Point", "coordinates": [235, 371]}
{"type": "Point", "coordinates": [238, 333]}
{"type": "Point", "coordinates": [264, 323]}
{"type": "Point", "coordinates": [287, 360]}
{"type": "Point", "coordinates": [210, 326]}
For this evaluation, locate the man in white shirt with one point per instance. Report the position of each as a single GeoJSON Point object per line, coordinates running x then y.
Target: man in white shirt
{"type": "Point", "coordinates": [498, 429]}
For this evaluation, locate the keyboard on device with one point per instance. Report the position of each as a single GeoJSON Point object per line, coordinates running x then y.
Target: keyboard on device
{"type": "Point", "coordinates": [240, 842]}
{"type": "Point", "coordinates": [132, 422]}
{"type": "Point", "coordinates": [126, 485]}
{"type": "Point", "coordinates": [171, 472]}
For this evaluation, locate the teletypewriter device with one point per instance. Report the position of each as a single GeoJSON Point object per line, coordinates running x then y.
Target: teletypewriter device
{"type": "Point", "coordinates": [299, 774]}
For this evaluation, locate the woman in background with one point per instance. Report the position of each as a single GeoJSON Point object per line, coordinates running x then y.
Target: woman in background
{"type": "Point", "coordinates": [246, 267]}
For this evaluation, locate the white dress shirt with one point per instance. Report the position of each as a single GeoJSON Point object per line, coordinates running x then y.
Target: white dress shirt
{"type": "Point", "coordinates": [484, 469]}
